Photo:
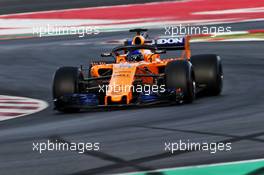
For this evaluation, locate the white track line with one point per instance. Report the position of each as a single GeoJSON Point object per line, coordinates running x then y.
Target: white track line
{"type": "Point", "coordinates": [199, 166]}
{"type": "Point", "coordinates": [13, 107]}
{"type": "Point", "coordinates": [18, 105]}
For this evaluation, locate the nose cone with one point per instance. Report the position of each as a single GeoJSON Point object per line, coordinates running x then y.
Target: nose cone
{"type": "Point", "coordinates": [121, 83]}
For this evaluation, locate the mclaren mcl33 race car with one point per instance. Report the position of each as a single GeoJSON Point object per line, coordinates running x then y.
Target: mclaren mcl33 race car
{"type": "Point", "coordinates": [137, 76]}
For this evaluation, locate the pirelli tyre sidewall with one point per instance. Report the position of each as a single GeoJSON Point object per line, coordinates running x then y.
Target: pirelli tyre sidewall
{"type": "Point", "coordinates": [66, 81]}
{"type": "Point", "coordinates": [208, 72]}
{"type": "Point", "coordinates": [179, 75]}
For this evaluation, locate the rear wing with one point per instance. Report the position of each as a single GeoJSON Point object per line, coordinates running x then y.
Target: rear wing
{"type": "Point", "coordinates": [173, 43]}
{"type": "Point", "coordinates": [169, 43]}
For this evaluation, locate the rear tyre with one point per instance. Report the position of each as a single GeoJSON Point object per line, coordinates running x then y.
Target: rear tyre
{"type": "Point", "coordinates": [208, 72]}
{"type": "Point", "coordinates": [66, 81]}
{"type": "Point", "coordinates": [179, 75]}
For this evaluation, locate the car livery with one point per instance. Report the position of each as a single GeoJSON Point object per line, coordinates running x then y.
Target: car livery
{"type": "Point", "coordinates": [138, 64]}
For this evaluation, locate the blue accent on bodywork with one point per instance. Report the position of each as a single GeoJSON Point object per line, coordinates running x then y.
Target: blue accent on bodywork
{"type": "Point", "coordinates": [84, 99]}
{"type": "Point", "coordinates": [89, 99]}
{"type": "Point", "coordinates": [135, 52]}
{"type": "Point", "coordinates": [129, 42]}
{"type": "Point", "coordinates": [145, 98]}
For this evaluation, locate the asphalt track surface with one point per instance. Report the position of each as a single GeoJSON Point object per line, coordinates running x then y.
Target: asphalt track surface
{"type": "Point", "coordinates": [19, 6]}
{"type": "Point", "coordinates": [133, 139]}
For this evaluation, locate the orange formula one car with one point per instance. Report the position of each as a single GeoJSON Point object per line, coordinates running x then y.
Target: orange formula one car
{"type": "Point", "coordinates": [139, 76]}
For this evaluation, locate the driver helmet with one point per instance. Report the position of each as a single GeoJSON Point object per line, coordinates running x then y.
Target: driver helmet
{"type": "Point", "coordinates": [135, 55]}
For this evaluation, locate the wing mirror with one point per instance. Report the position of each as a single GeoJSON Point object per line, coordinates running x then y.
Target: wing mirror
{"type": "Point", "coordinates": [106, 54]}
{"type": "Point", "coordinates": [160, 51]}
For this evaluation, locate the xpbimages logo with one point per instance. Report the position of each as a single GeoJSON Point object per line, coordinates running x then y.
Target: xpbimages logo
{"type": "Point", "coordinates": [79, 147]}
{"type": "Point", "coordinates": [188, 29]}
{"type": "Point", "coordinates": [212, 147]}
{"type": "Point", "coordinates": [145, 89]}
{"type": "Point", "coordinates": [50, 30]}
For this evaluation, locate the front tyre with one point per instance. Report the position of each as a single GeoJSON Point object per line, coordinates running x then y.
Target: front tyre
{"type": "Point", "coordinates": [179, 75]}
{"type": "Point", "coordinates": [66, 81]}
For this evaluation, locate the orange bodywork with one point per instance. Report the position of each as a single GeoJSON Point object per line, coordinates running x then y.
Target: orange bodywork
{"type": "Point", "coordinates": [124, 74]}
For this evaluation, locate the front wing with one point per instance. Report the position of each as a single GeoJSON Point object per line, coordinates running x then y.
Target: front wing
{"type": "Point", "coordinates": [89, 100]}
